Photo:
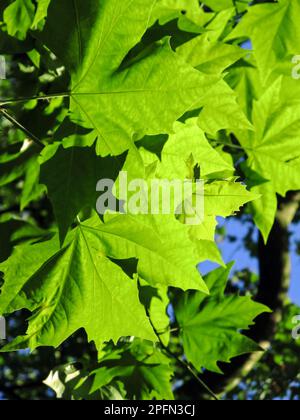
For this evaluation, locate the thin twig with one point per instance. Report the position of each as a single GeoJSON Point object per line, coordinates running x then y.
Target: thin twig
{"type": "Point", "coordinates": [35, 98]}
{"type": "Point", "coordinates": [181, 362]}
{"type": "Point", "coordinates": [233, 146]}
{"type": "Point", "coordinates": [21, 127]}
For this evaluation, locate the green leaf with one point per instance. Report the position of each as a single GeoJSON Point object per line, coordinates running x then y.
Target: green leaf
{"type": "Point", "coordinates": [163, 90]}
{"type": "Point", "coordinates": [221, 24]}
{"type": "Point", "coordinates": [264, 209]}
{"type": "Point", "coordinates": [167, 10]}
{"type": "Point", "coordinates": [14, 166]}
{"type": "Point", "coordinates": [40, 14]}
{"type": "Point", "coordinates": [121, 101]}
{"type": "Point", "coordinates": [144, 371]}
{"type": "Point", "coordinates": [189, 140]}
{"type": "Point", "coordinates": [161, 245]}
{"type": "Point", "coordinates": [244, 79]}
{"type": "Point", "coordinates": [224, 198]}
{"type": "Point", "coordinates": [19, 268]}
{"type": "Point", "coordinates": [210, 57]}
{"type": "Point", "coordinates": [135, 371]}
{"type": "Point", "coordinates": [225, 4]}
{"type": "Point", "coordinates": [272, 149]}
{"type": "Point", "coordinates": [210, 327]}
{"type": "Point", "coordinates": [74, 187]}
{"type": "Point", "coordinates": [77, 287]}
{"type": "Point", "coordinates": [221, 109]}
{"type": "Point", "coordinates": [64, 288]}
{"type": "Point", "coordinates": [18, 17]}
{"type": "Point", "coordinates": [221, 198]}
{"type": "Point", "coordinates": [274, 31]}
{"type": "Point", "coordinates": [32, 190]}
{"type": "Point", "coordinates": [156, 302]}
{"type": "Point", "coordinates": [14, 231]}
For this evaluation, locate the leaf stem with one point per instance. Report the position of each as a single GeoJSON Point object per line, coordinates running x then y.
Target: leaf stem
{"type": "Point", "coordinates": [189, 368]}
{"type": "Point", "coordinates": [21, 127]}
{"type": "Point", "coordinates": [35, 98]}
{"type": "Point", "coordinates": [182, 362]}
{"type": "Point", "coordinates": [233, 146]}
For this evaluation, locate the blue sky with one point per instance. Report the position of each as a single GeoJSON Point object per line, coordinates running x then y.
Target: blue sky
{"type": "Point", "coordinates": [236, 252]}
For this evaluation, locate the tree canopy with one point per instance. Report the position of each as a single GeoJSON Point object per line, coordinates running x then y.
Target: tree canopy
{"type": "Point", "coordinates": [115, 306]}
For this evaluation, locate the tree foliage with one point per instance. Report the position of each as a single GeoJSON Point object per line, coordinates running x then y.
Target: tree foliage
{"type": "Point", "coordinates": [164, 89]}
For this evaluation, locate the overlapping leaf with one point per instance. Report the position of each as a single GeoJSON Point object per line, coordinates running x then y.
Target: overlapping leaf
{"type": "Point", "coordinates": [145, 372]}
{"type": "Point", "coordinates": [74, 187]}
{"type": "Point", "coordinates": [221, 109]}
{"type": "Point", "coordinates": [210, 327]}
{"type": "Point", "coordinates": [274, 31]}
{"type": "Point", "coordinates": [120, 100]}
{"type": "Point", "coordinates": [109, 277]}
{"type": "Point", "coordinates": [78, 286]}
{"type": "Point", "coordinates": [273, 149]}
{"type": "Point", "coordinates": [134, 371]}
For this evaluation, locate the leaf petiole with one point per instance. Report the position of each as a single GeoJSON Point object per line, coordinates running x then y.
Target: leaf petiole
{"type": "Point", "coordinates": [18, 125]}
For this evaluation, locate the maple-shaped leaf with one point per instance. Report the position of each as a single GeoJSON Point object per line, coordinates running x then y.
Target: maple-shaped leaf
{"type": "Point", "coordinates": [274, 31]}
{"type": "Point", "coordinates": [221, 109]}
{"type": "Point", "coordinates": [132, 371]}
{"type": "Point", "coordinates": [264, 209]}
{"type": "Point", "coordinates": [210, 327]}
{"type": "Point", "coordinates": [144, 371]}
{"type": "Point", "coordinates": [72, 382]}
{"type": "Point", "coordinates": [182, 151]}
{"type": "Point", "coordinates": [161, 245]}
{"type": "Point", "coordinates": [225, 197]}
{"type": "Point", "coordinates": [273, 149]}
{"type": "Point", "coordinates": [78, 286]}
{"type": "Point", "coordinates": [20, 267]}
{"type": "Point", "coordinates": [120, 99]}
